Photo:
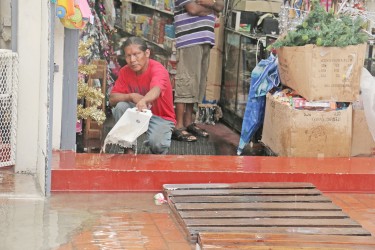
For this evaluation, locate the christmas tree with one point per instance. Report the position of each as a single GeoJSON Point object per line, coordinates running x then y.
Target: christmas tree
{"type": "Point", "coordinates": [327, 29]}
{"type": "Point", "coordinates": [92, 97]}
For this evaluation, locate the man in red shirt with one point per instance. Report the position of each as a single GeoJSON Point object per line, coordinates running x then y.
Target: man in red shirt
{"type": "Point", "coordinates": [144, 83]}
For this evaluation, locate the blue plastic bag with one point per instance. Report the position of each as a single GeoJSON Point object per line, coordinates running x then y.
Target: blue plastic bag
{"type": "Point", "coordinates": [263, 78]}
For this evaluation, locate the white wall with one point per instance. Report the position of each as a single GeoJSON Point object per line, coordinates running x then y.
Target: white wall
{"type": "Point", "coordinates": [33, 49]}
{"type": "Point", "coordinates": [58, 84]}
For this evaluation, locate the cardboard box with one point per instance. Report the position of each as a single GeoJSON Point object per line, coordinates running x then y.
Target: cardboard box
{"type": "Point", "coordinates": [214, 76]}
{"type": "Point", "coordinates": [323, 73]}
{"type": "Point", "coordinates": [215, 67]}
{"type": "Point", "coordinates": [219, 34]}
{"type": "Point", "coordinates": [362, 140]}
{"type": "Point", "coordinates": [213, 93]}
{"type": "Point", "coordinates": [303, 133]}
{"type": "Point", "coordinates": [262, 6]}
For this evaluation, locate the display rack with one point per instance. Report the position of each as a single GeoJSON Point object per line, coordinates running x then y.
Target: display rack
{"type": "Point", "coordinates": [148, 20]}
{"type": "Point", "coordinates": [242, 52]}
{"type": "Point", "coordinates": [150, 7]}
{"type": "Point", "coordinates": [131, 15]}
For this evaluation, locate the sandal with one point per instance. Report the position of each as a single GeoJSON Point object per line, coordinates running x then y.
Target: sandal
{"type": "Point", "coordinates": [183, 135]}
{"type": "Point", "coordinates": [195, 130]}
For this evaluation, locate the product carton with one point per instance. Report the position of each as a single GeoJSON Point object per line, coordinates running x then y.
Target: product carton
{"type": "Point", "coordinates": [362, 141]}
{"type": "Point", "coordinates": [214, 76]}
{"type": "Point", "coordinates": [261, 6]}
{"type": "Point", "coordinates": [219, 34]}
{"type": "Point", "coordinates": [323, 73]}
{"type": "Point", "coordinates": [303, 133]}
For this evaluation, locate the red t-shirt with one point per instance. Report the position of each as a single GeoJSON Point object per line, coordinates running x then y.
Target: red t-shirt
{"type": "Point", "coordinates": [155, 75]}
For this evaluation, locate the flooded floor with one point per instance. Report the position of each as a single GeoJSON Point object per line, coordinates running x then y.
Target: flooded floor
{"type": "Point", "coordinates": [102, 220]}
{"type": "Point", "coordinates": [87, 221]}
{"type": "Point", "coordinates": [116, 220]}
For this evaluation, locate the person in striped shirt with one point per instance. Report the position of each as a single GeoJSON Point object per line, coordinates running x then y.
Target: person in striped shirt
{"type": "Point", "coordinates": [194, 25]}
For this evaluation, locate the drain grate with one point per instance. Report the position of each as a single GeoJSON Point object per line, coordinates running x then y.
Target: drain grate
{"type": "Point", "coordinates": [257, 207]}
{"type": "Point", "coordinates": [202, 146]}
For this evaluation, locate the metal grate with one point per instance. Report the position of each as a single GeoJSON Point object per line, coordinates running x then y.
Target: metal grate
{"type": "Point", "coordinates": [8, 106]}
{"type": "Point", "coordinates": [201, 147]}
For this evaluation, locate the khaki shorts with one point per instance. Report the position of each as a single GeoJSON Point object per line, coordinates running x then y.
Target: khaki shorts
{"type": "Point", "coordinates": [191, 77]}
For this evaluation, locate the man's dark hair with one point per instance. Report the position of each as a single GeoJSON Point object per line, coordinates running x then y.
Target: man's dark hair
{"type": "Point", "coordinates": [135, 40]}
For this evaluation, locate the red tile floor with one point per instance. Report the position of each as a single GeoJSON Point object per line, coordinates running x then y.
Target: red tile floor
{"type": "Point", "coordinates": [131, 220]}
{"type": "Point", "coordinates": [109, 220]}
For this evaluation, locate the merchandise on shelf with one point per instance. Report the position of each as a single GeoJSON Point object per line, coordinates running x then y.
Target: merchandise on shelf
{"type": "Point", "coordinates": [169, 44]}
{"type": "Point", "coordinates": [169, 5]}
{"type": "Point", "coordinates": [291, 98]}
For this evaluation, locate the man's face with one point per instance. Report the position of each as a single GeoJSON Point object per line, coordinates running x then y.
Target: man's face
{"type": "Point", "coordinates": [136, 58]}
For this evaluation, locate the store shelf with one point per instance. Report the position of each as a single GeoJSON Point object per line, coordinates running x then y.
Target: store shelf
{"type": "Point", "coordinates": [151, 7]}
{"type": "Point", "coordinates": [247, 34]}
{"type": "Point", "coordinates": [140, 8]}
{"type": "Point", "coordinates": [161, 46]}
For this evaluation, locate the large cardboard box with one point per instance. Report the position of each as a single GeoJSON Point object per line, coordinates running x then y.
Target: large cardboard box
{"type": "Point", "coordinates": [303, 133]}
{"type": "Point", "coordinates": [214, 76]}
{"type": "Point", "coordinates": [259, 5]}
{"type": "Point", "coordinates": [213, 93]}
{"type": "Point", "coordinates": [362, 140]}
{"type": "Point", "coordinates": [219, 34]}
{"type": "Point", "coordinates": [323, 73]}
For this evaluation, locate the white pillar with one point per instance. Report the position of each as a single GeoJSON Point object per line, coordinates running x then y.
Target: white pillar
{"type": "Point", "coordinates": [33, 43]}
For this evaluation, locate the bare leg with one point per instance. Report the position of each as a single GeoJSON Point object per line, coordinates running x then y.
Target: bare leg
{"type": "Point", "coordinates": [181, 114]}
{"type": "Point", "coordinates": [188, 116]}
{"type": "Point", "coordinates": [180, 110]}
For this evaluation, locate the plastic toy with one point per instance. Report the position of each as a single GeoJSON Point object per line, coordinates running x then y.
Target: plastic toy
{"type": "Point", "coordinates": [78, 18]}
{"type": "Point", "coordinates": [74, 21]}
{"type": "Point", "coordinates": [64, 8]}
{"type": "Point", "coordinates": [85, 9]}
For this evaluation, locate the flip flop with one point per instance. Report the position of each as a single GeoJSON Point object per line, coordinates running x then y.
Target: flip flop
{"type": "Point", "coordinates": [195, 130]}
{"type": "Point", "coordinates": [182, 135]}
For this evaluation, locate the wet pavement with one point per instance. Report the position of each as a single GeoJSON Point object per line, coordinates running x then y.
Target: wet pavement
{"type": "Point", "coordinates": [83, 220]}
{"type": "Point", "coordinates": [108, 220]}
{"type": "Point", "coordinates": [119, 220]}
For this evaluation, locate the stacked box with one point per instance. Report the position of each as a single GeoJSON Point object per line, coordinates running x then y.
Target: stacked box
{"type": "Point", "coordinates": [362, 141]}
{"type": "Point", "coordinates": [214, 76]}
{"type": "Point", "coordinates": [323, 73]}
{"type": "Point", "coordinates": [330, 74]}
{"type": "Point", "coordinates": [303, 133]}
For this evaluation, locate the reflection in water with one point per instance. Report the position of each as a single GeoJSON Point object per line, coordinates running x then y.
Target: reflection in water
{"type": "Point", "coordinates": [80, 221]}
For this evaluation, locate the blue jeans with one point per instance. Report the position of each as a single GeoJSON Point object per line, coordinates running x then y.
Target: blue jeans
{"type": "Point", "coordinates": [159, 131]}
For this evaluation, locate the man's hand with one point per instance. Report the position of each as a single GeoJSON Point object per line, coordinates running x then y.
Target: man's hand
{"type": "Point", "coordinates": [136, 97]}
{"type": "Point", "coordinates": [142, 104]}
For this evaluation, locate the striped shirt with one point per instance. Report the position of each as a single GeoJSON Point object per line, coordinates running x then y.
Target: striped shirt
{"type": "Point", "coordinates": [192, 30]}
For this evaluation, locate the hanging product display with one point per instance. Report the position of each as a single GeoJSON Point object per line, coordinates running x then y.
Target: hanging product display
{"type": "Point", "coordinates": [73, 14]}
{"type": "Point", "coordinates": [64, 8]}
{"type": "Point", "coordinates": [101, 33]}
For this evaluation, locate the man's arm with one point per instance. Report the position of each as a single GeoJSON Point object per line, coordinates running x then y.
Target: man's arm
{"type": "Point", "coordinates": [146, 101]}
{"type": "Point", "coordinates": [196, 9]}
{"type": "Point", "coordinates": [114, 98]}
{"type": "Point", "coordinates": [216, 5]}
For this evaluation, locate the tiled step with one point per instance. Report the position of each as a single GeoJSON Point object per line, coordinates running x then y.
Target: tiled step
{"type": "Point", "coordinates": [116, 172]}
